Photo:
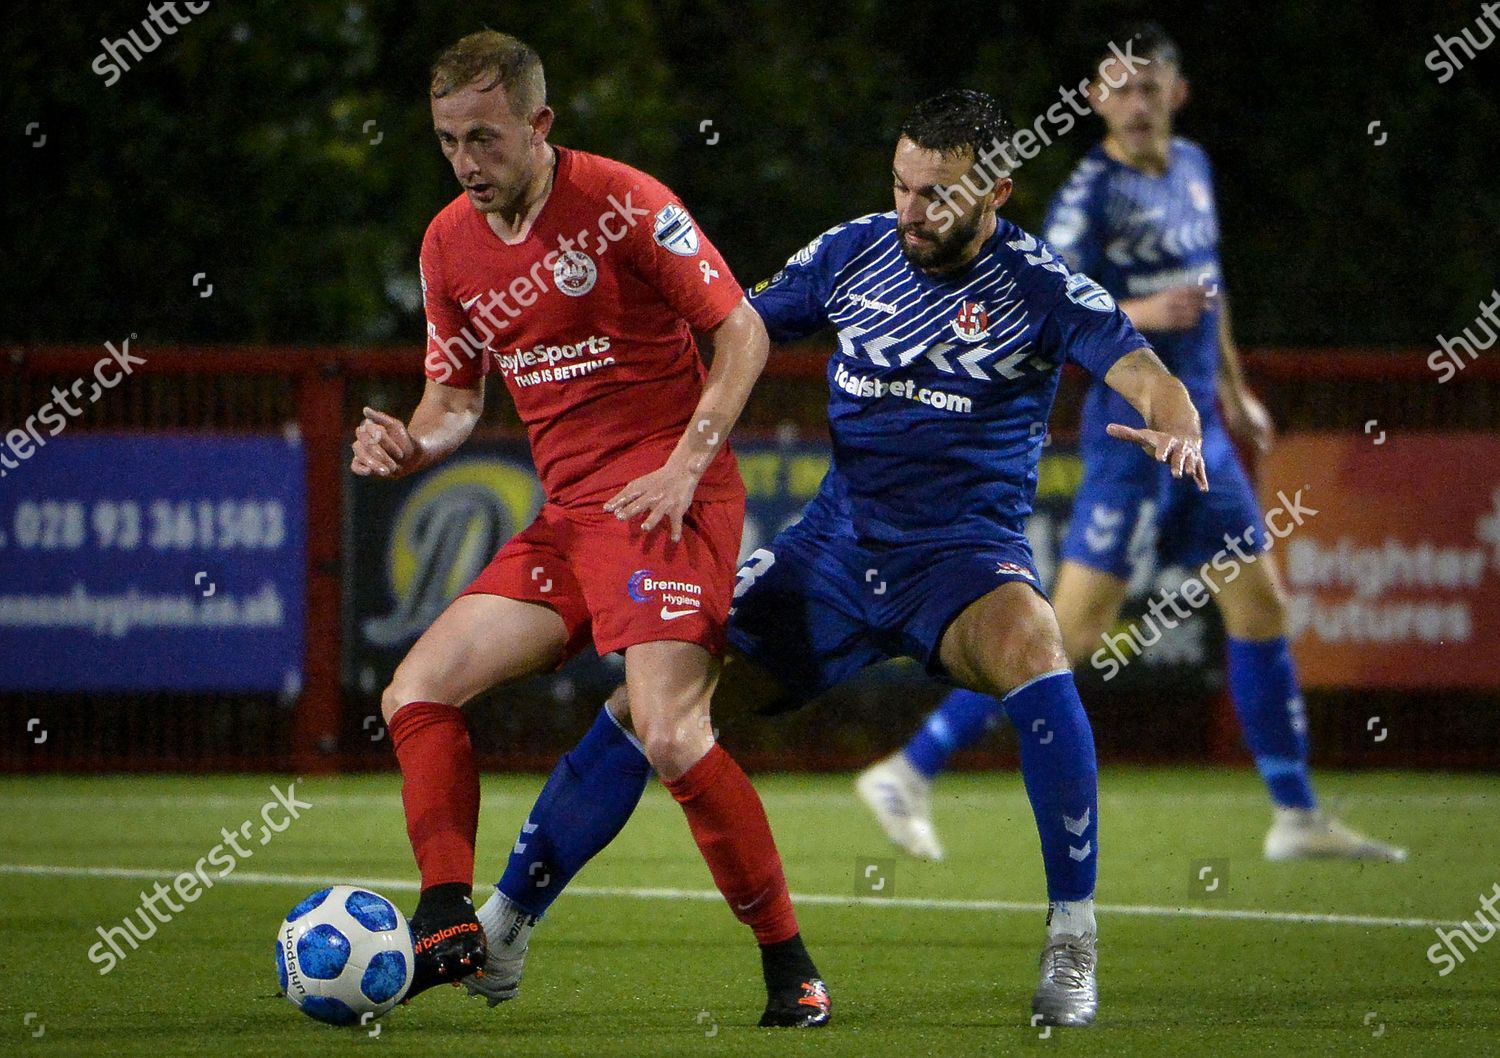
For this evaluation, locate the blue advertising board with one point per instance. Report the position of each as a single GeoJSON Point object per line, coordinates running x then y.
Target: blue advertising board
{"type": "Point", "coordinates": [144, 562]}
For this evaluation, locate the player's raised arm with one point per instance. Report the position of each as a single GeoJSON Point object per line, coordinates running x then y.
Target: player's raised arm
{"type": "Point", "coordinates": [1085, 322]}
{"type": "Point", "coordinates": [740, 350]}
{"type": "Point", "coordinates": [1173, 430]}
{"type": "Point", "coordinates": [386, 447]}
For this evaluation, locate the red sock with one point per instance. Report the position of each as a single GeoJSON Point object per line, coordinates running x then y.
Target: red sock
{"type": "Point", "coordinates": [730, 826]}
{"type": "Point", "coordinates": [439, 789]}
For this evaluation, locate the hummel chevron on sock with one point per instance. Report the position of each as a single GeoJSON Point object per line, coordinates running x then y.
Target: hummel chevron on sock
{"type": "Point", "coordinates": [1263, 687]}
{"type": "Point", "coordinates": [1062, 780]}
{"type": "Point", "coordinates": [439, 790]}
{"type": "Point", "coordinates": [959, 721]}
{"type": "Point", "coordinates": [587, 799]}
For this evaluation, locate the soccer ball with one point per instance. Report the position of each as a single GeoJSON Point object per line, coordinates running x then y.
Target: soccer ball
{"type": "Point", "coordinates": [344, 953]}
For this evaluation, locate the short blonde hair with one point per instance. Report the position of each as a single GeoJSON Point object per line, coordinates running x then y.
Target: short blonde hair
{"type": "Point", "coordinates": [500, 58]}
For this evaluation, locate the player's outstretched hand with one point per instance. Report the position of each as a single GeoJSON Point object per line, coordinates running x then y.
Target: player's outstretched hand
{"type": "Point", "coordinates": [662, 494]}
{"type": "Point", "coordinates": [1185, 456]}
{"type": "Point", "coordinates": [382, 447]}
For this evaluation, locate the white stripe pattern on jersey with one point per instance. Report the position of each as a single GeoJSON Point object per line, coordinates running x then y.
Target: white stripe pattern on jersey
{"type": "Point", "coordinates": [884, 275]}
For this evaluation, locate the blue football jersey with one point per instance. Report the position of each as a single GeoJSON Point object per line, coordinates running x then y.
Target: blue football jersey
{"type": "Point", "coordinates": [1138, 235]}
{"type": "Point", "coordinates": [941, 386]}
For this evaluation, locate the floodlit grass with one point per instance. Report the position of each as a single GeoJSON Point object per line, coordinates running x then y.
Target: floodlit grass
{"type": "Point", "coordinates": [921, 966]}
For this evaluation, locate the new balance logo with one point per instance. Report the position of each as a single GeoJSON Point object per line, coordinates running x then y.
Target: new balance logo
{"type": "Point", "coordinates": [423, 943]}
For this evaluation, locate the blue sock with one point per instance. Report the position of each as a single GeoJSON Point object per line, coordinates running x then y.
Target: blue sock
{"type": "Point", "coordinates": [1062, 780]}
{"type": "Point", "coordinates": [959, 721]}
{"type": "Point", "coordinates": [587, 799]}
{"type": "Point", "coordinates": [1263, 687]}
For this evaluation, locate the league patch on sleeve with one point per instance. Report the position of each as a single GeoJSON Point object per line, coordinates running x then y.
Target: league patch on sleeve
{"type": "Point", "coordinates": [766, 284]}
{"type": "Point", "coordinates": [675, 230]}
{"type": "Point", "coordinates": [1084, 291]}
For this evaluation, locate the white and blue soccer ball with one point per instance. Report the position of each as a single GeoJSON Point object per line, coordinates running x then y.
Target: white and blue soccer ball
{"type": "Point", "coordinates": [345, 953]}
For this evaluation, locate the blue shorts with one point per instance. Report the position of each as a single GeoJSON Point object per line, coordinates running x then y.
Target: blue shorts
{"type": "Point", "coordinates": [814, 607]}
{"type": "Point", "coordinates": [1129, 506]}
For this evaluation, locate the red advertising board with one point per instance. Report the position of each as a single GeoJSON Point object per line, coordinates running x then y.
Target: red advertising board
{"type": "Point", "coordinates": [1395, 581]}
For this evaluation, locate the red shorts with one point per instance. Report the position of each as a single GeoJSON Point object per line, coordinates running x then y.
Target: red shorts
{"type": "Point", "coordinates": [607, 578]}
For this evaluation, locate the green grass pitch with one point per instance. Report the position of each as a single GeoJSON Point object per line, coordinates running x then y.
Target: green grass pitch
{"type": "Point", "coordinates": [641, 959]}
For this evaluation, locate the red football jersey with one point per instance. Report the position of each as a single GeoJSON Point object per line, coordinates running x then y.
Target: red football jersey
{"type": "Point", "coordinates": [589, 320]}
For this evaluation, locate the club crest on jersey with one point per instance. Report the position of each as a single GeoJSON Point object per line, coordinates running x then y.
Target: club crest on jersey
{"type": "Point", "coordinates": [675, 230]}
{"type": "Point", "coordinates": [575, 273]}
{"type": "Point", "coordinates": [1084, 291]}
{"type": "Point", "coordinates": [972, 322]}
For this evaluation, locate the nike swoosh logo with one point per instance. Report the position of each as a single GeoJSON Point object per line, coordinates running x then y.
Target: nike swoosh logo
{"type": "Point", "coordinates": [672, 615]}
{"type": "Point", "coordinates": [471, 302]}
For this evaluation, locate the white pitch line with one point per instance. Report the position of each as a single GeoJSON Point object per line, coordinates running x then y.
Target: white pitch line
{"type": "Point", "coordinates": [952, 798]}
{"type": "Point", "coordinates": [819, 899]}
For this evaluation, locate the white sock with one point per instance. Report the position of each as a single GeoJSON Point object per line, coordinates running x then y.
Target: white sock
{"type": "Point", "coordinates": [1072, 917]}
{"type": "Point", "coordinates": [908, 771]}
{"type": "Point", "coordinates": [1296, 815]}
{"type": "Point", "coordinates": [506, 926]}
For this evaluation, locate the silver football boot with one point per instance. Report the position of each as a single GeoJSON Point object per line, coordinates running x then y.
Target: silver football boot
{"type": "Point", "coordinates": [1068, 993]}
{"type": "Point", "coordinates": [507, 929]}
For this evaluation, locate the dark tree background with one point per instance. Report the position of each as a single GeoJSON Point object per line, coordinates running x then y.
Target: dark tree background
{"type": "Point", "coordinates": [240, 148]}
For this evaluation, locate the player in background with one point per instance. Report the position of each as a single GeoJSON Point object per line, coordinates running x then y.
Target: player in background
{"type": "Point", "coordinates": [579, 280]}
{"type": "Point", "coordinates": [952, 325]}
{"type": "Point", "coordinates": [1138, 214]}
